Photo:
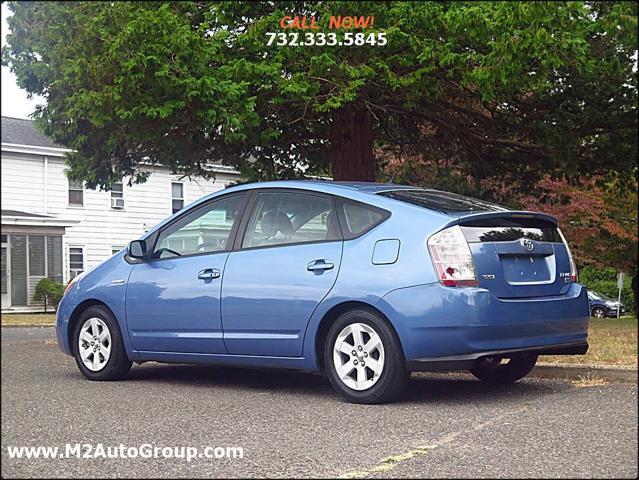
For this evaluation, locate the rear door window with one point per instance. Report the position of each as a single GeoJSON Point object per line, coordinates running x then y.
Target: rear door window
{"type": "Point", "coordinates": [281, 218]}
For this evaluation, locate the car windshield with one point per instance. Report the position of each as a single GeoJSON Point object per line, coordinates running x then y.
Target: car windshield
{"type": "Point", "coordinates": [599, 296]}
{"type": "Point", "coordinates": [444, 202]}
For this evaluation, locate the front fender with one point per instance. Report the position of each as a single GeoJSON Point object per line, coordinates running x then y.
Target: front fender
{"type": "Point", "coordinates": [105, 284]}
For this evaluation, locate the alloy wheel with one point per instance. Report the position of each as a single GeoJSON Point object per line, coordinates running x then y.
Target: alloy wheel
{"type": "Point", "coordinates": [94, 344]}
{"type": "Point", "coordinates": [358, 356]}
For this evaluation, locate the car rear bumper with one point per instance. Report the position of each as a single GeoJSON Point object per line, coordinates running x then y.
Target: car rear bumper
{"type": "Point", "coordinates": [463, 362]}
{"type": "Point", "coordinates": [612, 312]}
{"type": "Point", "coordinates": [435, 322]}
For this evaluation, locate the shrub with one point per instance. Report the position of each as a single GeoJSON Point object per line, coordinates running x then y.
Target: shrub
{"type": "Point", "coordinates": [48, 291]}
{"type": "Point", "coordinates": [604, 280]}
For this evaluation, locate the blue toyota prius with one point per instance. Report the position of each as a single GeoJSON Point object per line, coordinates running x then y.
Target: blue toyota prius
{"type": "Point", "coordinates": [363, 282]}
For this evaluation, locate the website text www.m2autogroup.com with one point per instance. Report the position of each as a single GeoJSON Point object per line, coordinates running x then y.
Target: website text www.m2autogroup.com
{"type": "Point", "coordinates": [145, 451]}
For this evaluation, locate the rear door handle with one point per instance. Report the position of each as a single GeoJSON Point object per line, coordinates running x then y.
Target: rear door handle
{"type": "Point", "coordinates": [319, 266]}
{"type": "Point", "coordinates": [208, 274]}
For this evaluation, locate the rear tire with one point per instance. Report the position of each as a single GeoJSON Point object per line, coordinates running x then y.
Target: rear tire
{"type": "Point", "coordinates": [491, 369]}
{"type": "Point", "coordinates": [97, 345]}
{"type": "Point", "coordinates": [369, 356]}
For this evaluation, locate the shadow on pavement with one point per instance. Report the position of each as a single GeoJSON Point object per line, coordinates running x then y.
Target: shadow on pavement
{"type": "Point", "coordinates": [465, 388]}
{"type": "Point", "coordinates": [422, 387]}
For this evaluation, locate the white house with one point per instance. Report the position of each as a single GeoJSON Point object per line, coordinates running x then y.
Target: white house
{"type": "Point", "coordinates": [55, 228]}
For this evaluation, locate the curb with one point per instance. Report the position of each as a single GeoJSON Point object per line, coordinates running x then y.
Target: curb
{"type": "Point", "coordinates": [621, 374]}
{"type": "Point", "coordinates": [27, 325]}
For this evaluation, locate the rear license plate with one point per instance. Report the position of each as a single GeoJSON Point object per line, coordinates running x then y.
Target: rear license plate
{"type": "Point", "coordinates": [525, 268]}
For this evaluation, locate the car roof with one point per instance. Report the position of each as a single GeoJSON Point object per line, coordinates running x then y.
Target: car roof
{"type": "Point", "coordinates": [370, 187]}
{"type": "Point", "coordinates": [374, 187]}
{"type": "Point", "coordinates": [366, 192]}
{"type": "Point", "coordinates": [354, 190]}
{"type": "Point", "coordinates": [363, 190]}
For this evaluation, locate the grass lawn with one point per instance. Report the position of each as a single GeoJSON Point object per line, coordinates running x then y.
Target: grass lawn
{"type": "Point", "coordinates": [28, 319]}
{"type": "Point", "coordinates": [612, 341]}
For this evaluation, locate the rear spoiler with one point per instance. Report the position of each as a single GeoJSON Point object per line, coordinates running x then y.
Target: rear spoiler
{"type": "Point", "coordinates": [470, 217]}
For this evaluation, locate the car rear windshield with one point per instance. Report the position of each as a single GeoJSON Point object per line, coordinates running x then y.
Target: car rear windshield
{"type": "Point", "coordinates": [509, 229]}
{"type": "Point", "coordinates": [443, 202]}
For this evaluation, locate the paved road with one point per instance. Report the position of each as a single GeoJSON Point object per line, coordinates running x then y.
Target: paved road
{"type": "Point", "coordinates": [22, 334]}
{"type": "Point", "coordinates": [291, 424]}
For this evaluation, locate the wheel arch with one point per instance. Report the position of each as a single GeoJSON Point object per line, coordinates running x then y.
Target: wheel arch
{"type": "Point", "coordinates": [333, 314]}
{"type": "Point", "coordinates": [78, 310]}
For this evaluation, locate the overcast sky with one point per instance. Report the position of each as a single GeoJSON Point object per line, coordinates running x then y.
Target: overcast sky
{"type": "Point", "coordinates": [14, 100]}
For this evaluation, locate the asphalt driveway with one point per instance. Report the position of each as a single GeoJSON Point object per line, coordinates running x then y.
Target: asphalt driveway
{"type": "Point", "coordinates": [291, 424]}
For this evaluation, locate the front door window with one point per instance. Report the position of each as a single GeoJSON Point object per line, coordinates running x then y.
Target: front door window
{"type": "Point", "coordinates": [204, 230]}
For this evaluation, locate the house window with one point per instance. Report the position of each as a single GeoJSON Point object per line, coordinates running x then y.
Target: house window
{"type": "Point", "coordinates": [117, 195]}
{"type": "Point", "coordinates": [26, 260]}
{"type": "Point", "coordinates": [76, 261]}
{"type": "Point", "coordinates": [76, 193]}
{"type": "Point", "coordinates": [4, 281]}
{"type": "Point", "coordinates": [37, 257]}
{"type": "Point", "coordinates": [54, 258]}
{"type": "Point", "coordinates": [177, 196]}
{"type": "Point", "coordinates": [115, 250]}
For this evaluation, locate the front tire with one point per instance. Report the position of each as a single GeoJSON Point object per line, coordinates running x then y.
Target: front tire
{"type": "Point", "coordinates": [363, 358]}
{"type": "Point", "coordinates": [494, 370]}
{"type": "Point", "coordinates": [97, 346]}
{"type": "Point", "coordinates": [598, 312]}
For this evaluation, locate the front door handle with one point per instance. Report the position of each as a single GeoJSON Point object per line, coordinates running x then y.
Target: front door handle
{"type": "Point", "coordinates": [208, 274]}
{"type": "Point", "coordinates": [319, 266]}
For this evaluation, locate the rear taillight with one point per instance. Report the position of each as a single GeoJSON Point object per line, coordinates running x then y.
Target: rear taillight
{"type": "Point", "coordinates": [452, 258]}
{"type": "Point", "coordinates": [573, 268]}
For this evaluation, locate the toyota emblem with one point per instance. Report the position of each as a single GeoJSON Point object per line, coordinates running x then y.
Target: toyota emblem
{"type": "Point", "coordinates": [528, 244]}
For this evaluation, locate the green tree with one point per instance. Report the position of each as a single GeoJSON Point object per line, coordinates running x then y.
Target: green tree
{"type": "Point", "coordinates": [519, 87]}
{"type": "Point", "coordinates": [48, 291]}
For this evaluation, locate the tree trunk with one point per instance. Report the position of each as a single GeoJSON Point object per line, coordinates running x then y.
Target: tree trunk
{"type": "Point", "coordinates": [635, 291]}
{"type": "Point", "coordinates": [352, 144]}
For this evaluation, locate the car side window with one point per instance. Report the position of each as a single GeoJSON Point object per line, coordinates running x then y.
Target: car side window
{"type": "Point", "coordinates": [358, 218]}
{"type": "Point", "coordinates": [280, 218]}
{"type": "Point", "coordinates": [204, 230]}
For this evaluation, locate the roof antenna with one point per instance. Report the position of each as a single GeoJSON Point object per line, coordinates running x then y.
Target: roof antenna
{"type": "Point", "coordinates": [399, 165]}
{"type": "Point", "coordinates": [392, 179]}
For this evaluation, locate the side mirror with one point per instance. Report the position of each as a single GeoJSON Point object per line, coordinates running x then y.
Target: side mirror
{"type": "Point", "coordinates": [137, 249]}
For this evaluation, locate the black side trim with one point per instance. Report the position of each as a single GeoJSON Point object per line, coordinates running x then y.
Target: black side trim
{"type": "Point", "coordinates": [241, 230]}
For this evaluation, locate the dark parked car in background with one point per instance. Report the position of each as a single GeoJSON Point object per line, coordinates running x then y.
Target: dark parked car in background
{"type": "Point", "coordinates": [602, 306]}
